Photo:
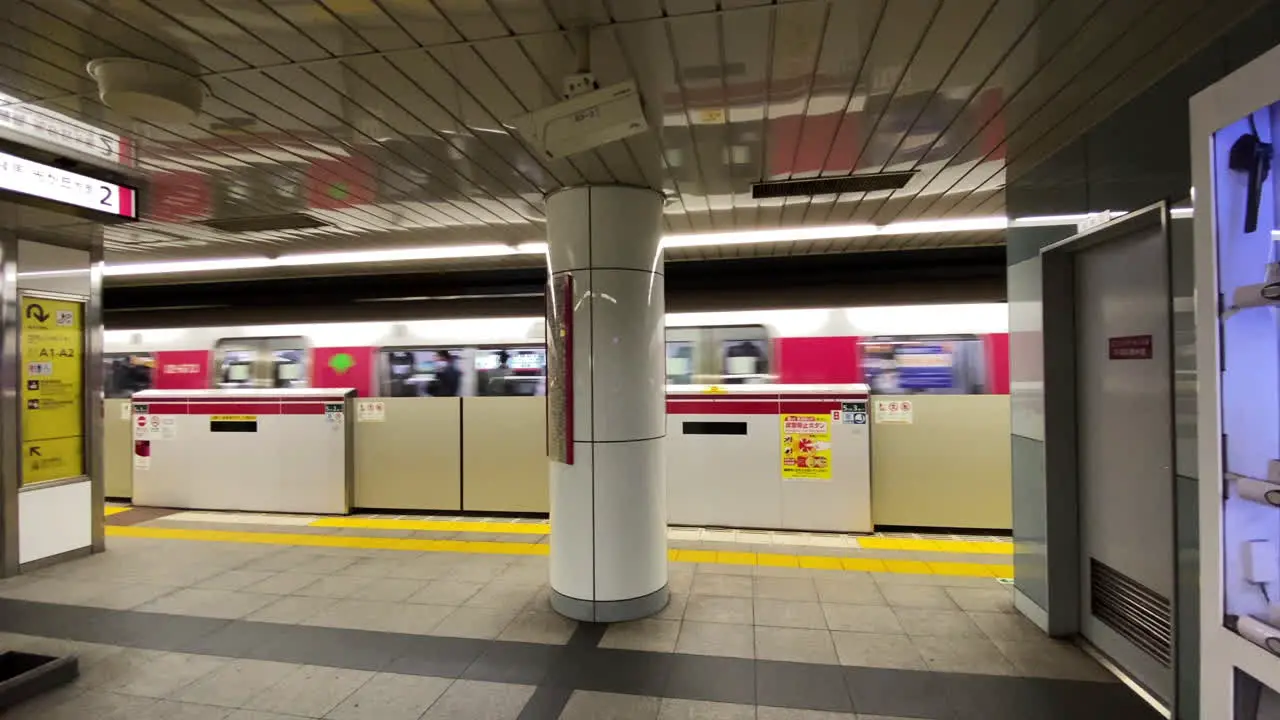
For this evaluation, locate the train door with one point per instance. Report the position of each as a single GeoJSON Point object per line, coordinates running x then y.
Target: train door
{"type": "Point", "coordinates": [724, 355]}
{"type": "Point", "coordinates": [275, 362]}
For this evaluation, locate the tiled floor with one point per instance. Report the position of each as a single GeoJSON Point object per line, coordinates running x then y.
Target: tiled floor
{"type": "Point", "coordinates": [178, 629]}
{"type": "Point", "coordinates": [881, 553]}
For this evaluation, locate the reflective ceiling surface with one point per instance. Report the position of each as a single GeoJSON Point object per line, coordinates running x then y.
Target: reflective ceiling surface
{"type": "Point", "coordinates": [384, 119]}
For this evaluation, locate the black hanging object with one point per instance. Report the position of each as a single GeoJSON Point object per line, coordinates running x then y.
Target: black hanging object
{"type": "Point", "coordinates": [1249, 154]}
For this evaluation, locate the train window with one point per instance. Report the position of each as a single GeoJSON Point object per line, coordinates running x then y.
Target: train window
{"type": "Point", "coordinates": [126, 373]}
{"type": "Point", "coordinates": [423, 372]}
{"type": "Point", "coordinates": [744, 361]}
{"type": "Point", "coordinates": [236, 369]}
{"type": "Point", "coordinates": [922, 364]}
{"type": "Point", "coordinates": [523, 373]}
{"type": "Point", "coordinates": [289, 368]}
{"type": "Point", "coordinates": [679, 362]}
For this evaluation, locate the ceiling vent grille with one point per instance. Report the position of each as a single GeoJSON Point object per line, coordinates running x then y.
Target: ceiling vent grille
{"type": "Point", "coordinates": [266, 223]}
{"type": "Point", "coordinates": [831, 185]}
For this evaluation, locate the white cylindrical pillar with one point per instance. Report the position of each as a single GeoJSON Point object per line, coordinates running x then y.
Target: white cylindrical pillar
{"type": "Point", "coordinates": [607, 403]}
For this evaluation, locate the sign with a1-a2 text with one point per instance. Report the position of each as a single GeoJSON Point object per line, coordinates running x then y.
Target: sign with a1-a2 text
{"type": "Point", "coordinates": [52, 389]}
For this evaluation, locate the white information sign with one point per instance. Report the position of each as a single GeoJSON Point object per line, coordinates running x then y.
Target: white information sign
{"type": "Point", "coordinates": [46, 182]}
{"type": "Point", "coordinates": [60, 130]}
{"type": "Point", "coordinates": [371, 411]}
{"type": "Point", "coordinates": [894, 412]}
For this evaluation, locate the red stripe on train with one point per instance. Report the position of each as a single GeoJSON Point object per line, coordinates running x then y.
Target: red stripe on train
{"type": "Point", "coordinates": [703, 407]}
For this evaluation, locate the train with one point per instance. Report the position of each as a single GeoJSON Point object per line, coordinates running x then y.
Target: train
{"type": "Point", "coordinates": [908, 349]}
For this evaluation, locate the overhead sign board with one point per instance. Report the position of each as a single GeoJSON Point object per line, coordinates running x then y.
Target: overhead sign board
{"type": "Point", "coordinates": [37, 181]}
{"type": "Point", "coordinates": [58, 129]}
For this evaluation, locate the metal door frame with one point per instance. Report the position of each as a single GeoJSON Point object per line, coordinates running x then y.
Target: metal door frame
{"type": "Point", "coordinates": [1064, 541]}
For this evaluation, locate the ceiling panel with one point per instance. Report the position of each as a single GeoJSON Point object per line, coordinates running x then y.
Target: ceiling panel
{"type": "Point", "coordinates": [386, 120]}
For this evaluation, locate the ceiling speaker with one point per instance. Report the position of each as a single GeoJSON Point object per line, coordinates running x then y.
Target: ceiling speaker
{"type": "Point", "coordinates": [148, 91]}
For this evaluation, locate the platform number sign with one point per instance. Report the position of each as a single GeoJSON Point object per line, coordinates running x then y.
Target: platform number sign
{"type": "Point", "coordinates": [333, 413]}
{"type": "Point", "coordinates": [853, 413]}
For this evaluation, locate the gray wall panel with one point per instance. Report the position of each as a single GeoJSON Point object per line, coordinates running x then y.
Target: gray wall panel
{"type": "Point", "coordinates": [1030, 521]}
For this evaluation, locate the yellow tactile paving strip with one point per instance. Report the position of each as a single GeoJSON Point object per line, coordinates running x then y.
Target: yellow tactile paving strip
{"type": "Point", "coordinates": [866, 543]}
{"type": "Point", "coordinates": [435, 525]}
{"type": "Point", "coordinates": [955, 546]}
{"type": "Point", "coordinates": [816, 562]}
{"type": "Point", "coordinates": [110, 510]}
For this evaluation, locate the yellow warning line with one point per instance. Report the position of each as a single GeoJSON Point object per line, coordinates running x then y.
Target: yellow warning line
{"type": "Point", "coordinates": [435, 525]}
{"type": "Point", "coordinates": [110, 510]}
{"type": "Point", "coordinates": [337, 541]}
{"type": "Point", "coordinates": [986, 547]}
{"type": "Point", "coordinates": [866, 543]}
{"type": "Point", "coordinates": [907, 567]}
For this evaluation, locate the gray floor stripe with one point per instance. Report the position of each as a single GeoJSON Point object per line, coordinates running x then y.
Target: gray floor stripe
{"type": "Point", "coordinates": [582, 665]}
{"type": "Point", "coordinates": [548, 700]}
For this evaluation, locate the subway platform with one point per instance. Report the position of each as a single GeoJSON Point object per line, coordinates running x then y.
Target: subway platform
{"type": "Point", "coordinates": [256, 617]}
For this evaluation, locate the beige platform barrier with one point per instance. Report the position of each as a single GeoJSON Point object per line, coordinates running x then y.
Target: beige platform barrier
{"type": "Point", "coordinates": [504, 454]}
{"type": "Point", "coordinates": [951, 467]}
{"type": "Point", "coordinates": [117, 450]}
{"type": "Point", "coordinates": [412, 458]}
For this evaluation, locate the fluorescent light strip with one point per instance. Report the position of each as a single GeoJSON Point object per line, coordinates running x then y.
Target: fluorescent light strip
{"type": "Point", "coordinates": [452, 252]}
{"type": "Point", "coordinates": [1050, 220]}
{"type": "Point", "coordinates": [459, 252]}
{"type": "Point", "coordinates": [53, 273]}
{"type": "Point", "coordinates": [752, 237]}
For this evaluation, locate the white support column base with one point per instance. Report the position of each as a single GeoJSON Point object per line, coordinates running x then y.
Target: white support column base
{"type": "Point", "coordinates": [609, 611]}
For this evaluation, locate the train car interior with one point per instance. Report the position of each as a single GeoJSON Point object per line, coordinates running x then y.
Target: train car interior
{"type": "Point", "coordinates": [124, 374]}
{"type": "Point", "coordinates": [511, 370]}
{"type": "Point", "coordinates": [410, 372]}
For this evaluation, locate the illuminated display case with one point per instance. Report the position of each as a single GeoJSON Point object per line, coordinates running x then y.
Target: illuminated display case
{"type": "Point", "coordinates": [1237, 227]}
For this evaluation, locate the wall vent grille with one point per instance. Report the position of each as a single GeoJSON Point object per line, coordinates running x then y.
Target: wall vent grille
{"type": "Point", "coordinates": [1137, 613]}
